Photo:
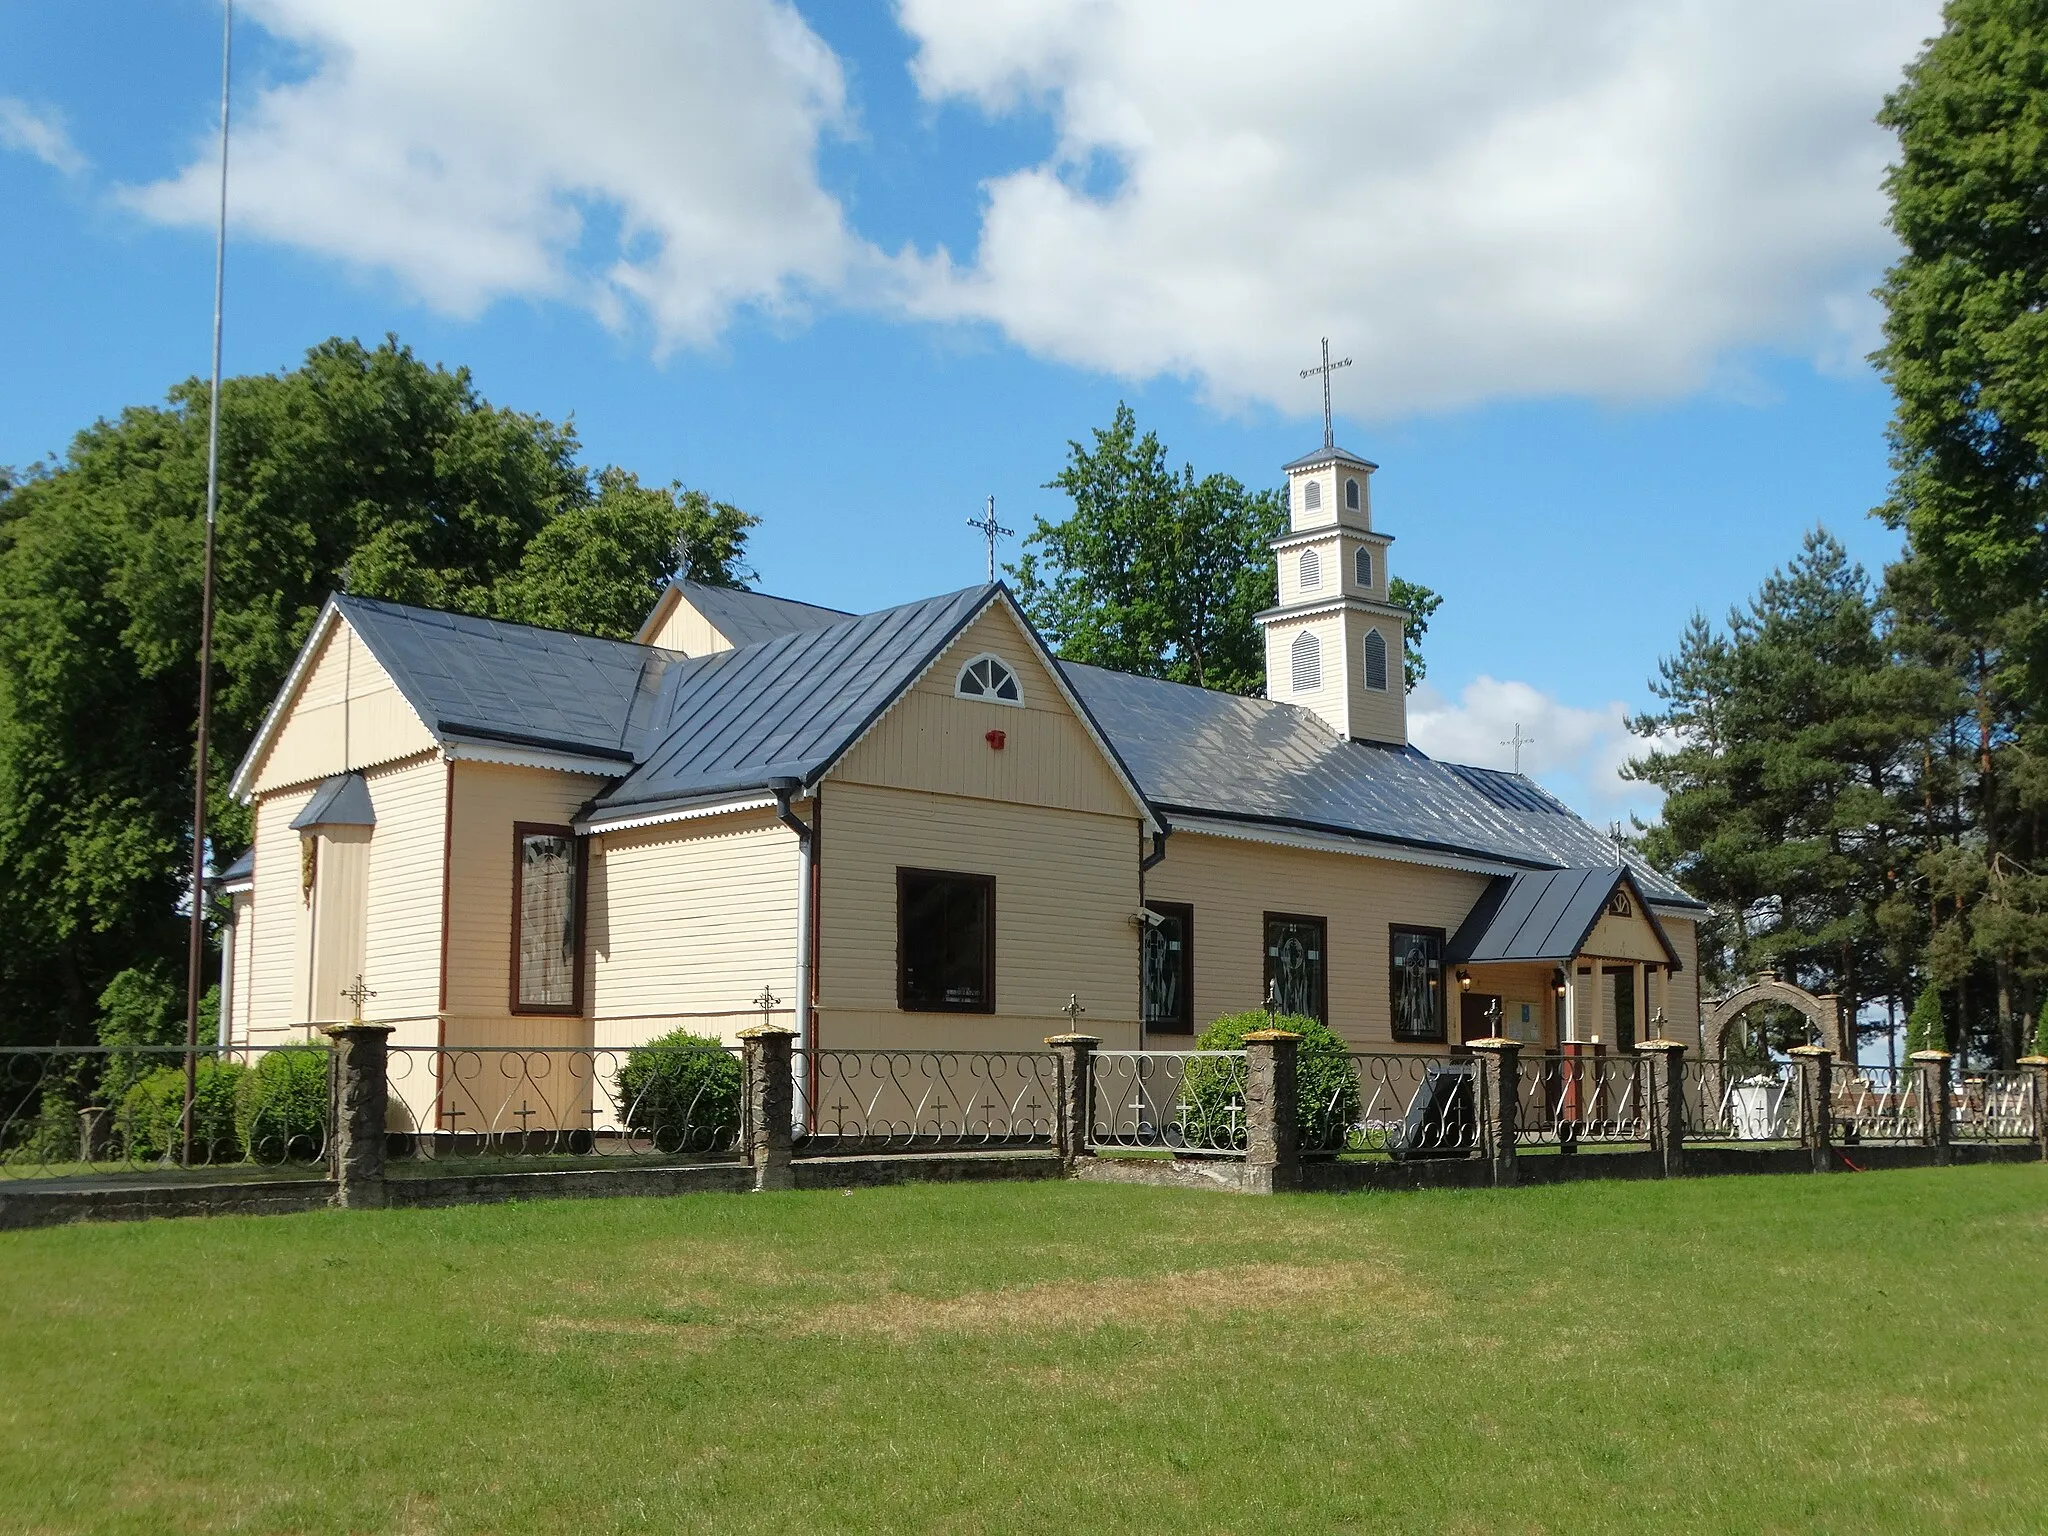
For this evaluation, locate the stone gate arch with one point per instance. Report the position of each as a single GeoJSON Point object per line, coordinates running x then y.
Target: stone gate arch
{"type": "Point", "coordinates": [1823, 1012]}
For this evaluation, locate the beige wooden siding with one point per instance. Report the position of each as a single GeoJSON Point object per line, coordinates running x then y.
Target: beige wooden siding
{"type": "Point", "coordinates": [341, 886]}
{"type": "Point", "coordinates": [1682, 997]}
{"type": "Point", "coordinates": [691, 917]}
{"type": "Point", "coordinates": [931, 740]}
{"type": "Point", "coordinates": [237, 961]}
{"type": "Point", "coordinates": [1232, 884]}
{"type": "Point", "coordinates": [487, 800]}
{"type": "Point", "coordinates": [1066, 892]}
{"type": "Point", "coordinates": [402, 943]}
{"type": "Point", "coordinates": [1624, 938]}
{"type": "Point", "coordinates": [348, 714]}
{"type": "Point", "coordinates": [684, 629]}
{"type": "Point", "coordinates": [279, 927]}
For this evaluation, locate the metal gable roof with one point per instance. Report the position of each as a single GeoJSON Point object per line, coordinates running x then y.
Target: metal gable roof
{"type": "Point", "coordinates": [489, 680]}
{"type": "Point", "coordinates": [747, 618]}
{"type": "Point", "coordinates": [1544, 915]}
{"type": "Point", "coordinates": [1217, 754]}
{"type": "Point", "coordinates": [342, 800]}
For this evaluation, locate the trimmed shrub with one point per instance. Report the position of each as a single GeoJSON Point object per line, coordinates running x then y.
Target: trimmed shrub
{"type": "Point", "coordinates": [682, 1091]}
{"type": "Point", "coordinates": [150, 1127]}
{"type": "Point", "coordinates": [1212, 1095]}
{"type": "Point", "coordinates": [1925, 1030]}
{"type": "Point", "coordinates": [281, 1107]}
{"type": "Point", "coordinates": [51, 1135]}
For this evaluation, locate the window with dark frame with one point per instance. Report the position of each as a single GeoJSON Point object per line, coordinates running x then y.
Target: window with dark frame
{"type": "Point", "coordinates": [1167, 954]}
{"type": "Point", "coordinates": [547, 932]}
{"type": "Point", "coordinates": [945, 942]}
{"type": "Point", "coordinates": [1297, 972]}
{"type": "Point", "coordinates": [1417, 976]}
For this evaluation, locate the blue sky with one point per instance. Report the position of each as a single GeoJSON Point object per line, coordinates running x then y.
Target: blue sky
{"type": "Point", "coordinates": [1604, 271]}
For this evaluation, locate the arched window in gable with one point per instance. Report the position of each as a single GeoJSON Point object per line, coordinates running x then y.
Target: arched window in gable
{"type": "Point", "coordinates": [1351, 494]}
{"type": "Point", "coordinates": [1307, 656]}
{"type": "Point", "coordinates": [1312, 495]}
{"type": "Point", "coordinates": [987, 677]}
{"type": "Point", "coordinates": [1376, 660]}
{"type": "Point", "coordinates": [1311, 570]}
{"type": "Point", "coordinates": [1365, 567]}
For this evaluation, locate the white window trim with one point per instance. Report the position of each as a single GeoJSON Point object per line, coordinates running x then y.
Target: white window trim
{"type": "Point", "coordinates": [1386, 661]}
{"type": "Point", "coordinates": [960, 677]}
{"type": "Point", "coordinates": [1306, 646]}
{"type": "Point", "coordinates": [1309, 570]}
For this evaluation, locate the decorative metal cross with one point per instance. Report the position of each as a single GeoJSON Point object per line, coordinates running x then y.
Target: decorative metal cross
{"type": "Point", "coordinates": [990, 530]}
{"type": "Point", "coordinates": [1272, 1001]}
{"type": "Point", "coordinates": [525, 1112]}
{"type": "Point", "coordinates": [359, 995]}
{"type": "Point", "coordinates": [1519, 741]}
{"type": "Point", "coordinates": [1328, 368]}
{"type": "Point", "coordinates": [1073, 1011]}
{"type": "Point", "coordinates": [767, 1002]}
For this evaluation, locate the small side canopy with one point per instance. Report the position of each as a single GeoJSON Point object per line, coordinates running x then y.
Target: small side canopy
{"type": "Point", "coordinates": [340, 801]}
{"type": "Point", "coordinates": [1548, 915]}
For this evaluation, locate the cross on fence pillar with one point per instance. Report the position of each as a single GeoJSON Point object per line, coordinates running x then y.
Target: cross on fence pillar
{"type": "Point", "coordinates": [1666, 1108]}
{"type": "Point", "coordinates": [1074, 1057]}
{"type": "Point", "coordinates": [1932, 1067]}
{"type": "Point", "coordinates": [1272, 1111]}
{"type": "Point", "coordinates": [1500, 1069]}
{"type": "Point", "coordinates": [770, 1102]}
{"type": "Point", "coordinates": [1816, 1102]}
{"type": "Point", "coordinates": [361, 1092]}
{"type": "Point", "coordinates": [2036, 1068]}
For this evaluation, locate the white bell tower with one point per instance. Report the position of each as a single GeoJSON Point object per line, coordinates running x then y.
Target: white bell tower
{"type": "Point", "coordinates": [1334, 641]}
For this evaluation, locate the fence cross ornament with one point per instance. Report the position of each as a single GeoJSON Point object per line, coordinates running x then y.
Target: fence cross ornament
{"type": "Point", "coordinates": [767, 1002]}
{"type": "Point", "coordinates": [358, 994]}
{"type": "Point", "coordinates": [1073, 1011]}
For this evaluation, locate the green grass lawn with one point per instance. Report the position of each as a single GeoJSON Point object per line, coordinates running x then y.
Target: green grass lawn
{"type": "Point", "coordinates": [1855, 1353]}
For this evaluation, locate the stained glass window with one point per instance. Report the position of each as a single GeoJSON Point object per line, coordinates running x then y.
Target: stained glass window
{"type": "Point", "coordinates": [945, 942]}
{"type": "Point", "coordinates": [1418, 983]}
{"type": "Point", "coordinates": [1296, 975]}
{"type": "Point", "coordinates": [1168, 969]}
{"type": "Point", "coordinates": [545, 921]}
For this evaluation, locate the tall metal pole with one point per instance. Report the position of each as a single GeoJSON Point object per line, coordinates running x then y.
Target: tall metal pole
{"type": "Point", "coordinates": [195, 948]}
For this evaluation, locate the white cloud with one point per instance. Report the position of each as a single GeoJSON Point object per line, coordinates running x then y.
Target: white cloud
{"type": "Point", "coordinates": [39, 132]}
{"type": "Point", "coordinates": [1576, 753]}
{"type": "Point", "coordinates": [637, 157]}
{"type": "Point", "coordinates": [1486, 199]}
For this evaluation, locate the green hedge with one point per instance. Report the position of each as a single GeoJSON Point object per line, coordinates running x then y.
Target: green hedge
{"type": "Point", "coordinates": [683, 1092]}
{"type": "Point", "coordinates": [1212, 1095]}
{"type": "Point", "coordinates": [150, 1127]}
{"type": "Point", "coordinates": [281, 1107]}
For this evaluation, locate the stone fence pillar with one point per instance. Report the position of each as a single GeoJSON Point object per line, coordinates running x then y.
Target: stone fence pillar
{"type": "Point", "coordinates": [1499, 1060]}
{"type": "Point", "coordinates": [1074, 1058]}
{"type": "Point", "coordinates": [2036, 1068]}
{"type": "Point", "coordinates": [770, 1102]}
{"type": "Point", "coordinates": [361, 1094]}
{"type": "Point", "coordinates": [1816, 1102]}
{"type": "Point", "coordinates": [1666, 1107]}
{"type": "Point", "coordinates": [1932, 1067]}
{"type": "Point", "coordinates": [1272, 1111]}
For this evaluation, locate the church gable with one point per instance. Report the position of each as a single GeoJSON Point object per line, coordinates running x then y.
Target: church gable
{"type": "Point", "coordinates": [1626, 930]}
{"type": "Point", "coordinates": [344, 712]}
{"type": "Point", "coordinates": [988, 720]}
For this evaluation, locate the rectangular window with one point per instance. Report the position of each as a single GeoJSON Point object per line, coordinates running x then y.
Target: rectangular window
{"type": "Point", "coordinates": [1418, 983]}
{"type": "Point", "coordinates": [1296, 975]}
{"type": "Point", "coordinates": [1168, 955]}
{"type": "Point", "coordinates": [1624, 983]}
{"type": "Point", "coordinates": [547, 947]}
{"type": "Point", "coordinates": [945, 942]}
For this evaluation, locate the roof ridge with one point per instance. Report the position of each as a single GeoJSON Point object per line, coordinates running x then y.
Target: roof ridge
{"type": "Point", "coordinates": [346, 600]}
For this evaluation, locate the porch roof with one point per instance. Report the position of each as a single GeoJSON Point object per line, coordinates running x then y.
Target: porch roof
{"type": "Point", "coordinates": [1545, 915]}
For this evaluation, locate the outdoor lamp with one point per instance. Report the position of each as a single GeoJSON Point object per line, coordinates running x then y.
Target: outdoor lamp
{"type": "Point", "coordinates": [1464, 979]}
{"type": "Point", "coordinates": [1558, 983]}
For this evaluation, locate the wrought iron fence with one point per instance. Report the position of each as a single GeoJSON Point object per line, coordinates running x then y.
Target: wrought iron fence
{"type": "Point", "coordinates": [1571, 1099]}
{"type": "Point", "coordinates": [94, 1111]}
{"type": "Point", "coordinates": [1393, 1103]}
{"type": "Point", "coordinates": [1880, 1104]}
{"type": "Point", "coordinates": [660, 1100]}
{"type": "Point", "coordinates": [1190, 1103]}
{"type": "Point", "coordinates": [1995, 1106]}
{"type": "Point", "coordinates": [1741, 1101]}
{"type": "Point", "coordinates": [905, 1100]}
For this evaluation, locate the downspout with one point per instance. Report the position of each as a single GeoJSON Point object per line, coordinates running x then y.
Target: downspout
{"type": "Point", "coordinates": [806, 842]}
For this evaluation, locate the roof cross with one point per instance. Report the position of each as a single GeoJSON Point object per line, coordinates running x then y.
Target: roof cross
{"type": "Point", "coordinates": [1519, 741]}
{"type": "Point", "coordinates": [1328, 368]}
{"type": "Point", "coordinates": [990, 530]}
